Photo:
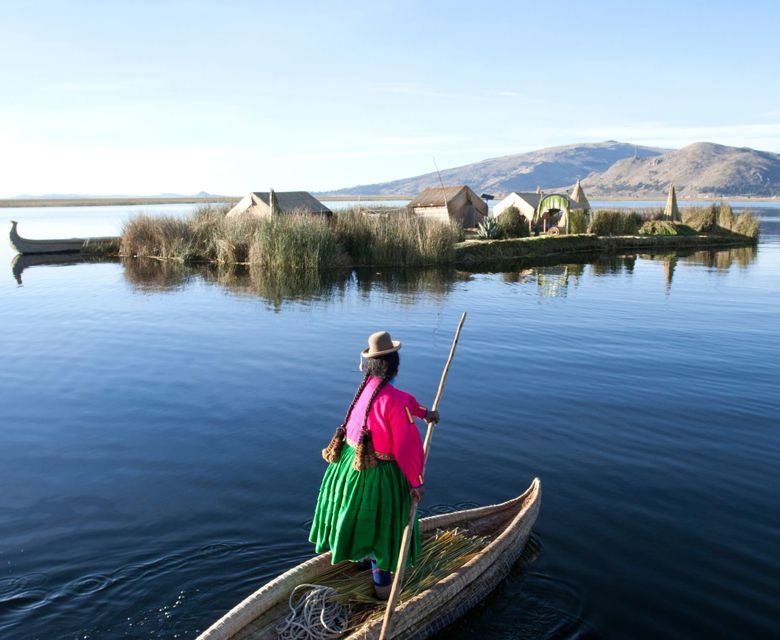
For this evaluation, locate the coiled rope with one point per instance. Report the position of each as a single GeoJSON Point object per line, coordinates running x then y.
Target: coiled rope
{"type": "Point", "coordinates": [315, 616]}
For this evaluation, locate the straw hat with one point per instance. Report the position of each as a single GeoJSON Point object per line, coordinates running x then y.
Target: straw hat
{"type": "Point", "coordinates": [380, 344]}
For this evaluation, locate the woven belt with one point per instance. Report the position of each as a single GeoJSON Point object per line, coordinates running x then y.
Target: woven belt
{"type": "Point", "coordinates": [380, 456]}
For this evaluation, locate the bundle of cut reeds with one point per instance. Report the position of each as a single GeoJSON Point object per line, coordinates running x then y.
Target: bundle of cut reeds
{"type": "Point", "coordinates": [441, 554]}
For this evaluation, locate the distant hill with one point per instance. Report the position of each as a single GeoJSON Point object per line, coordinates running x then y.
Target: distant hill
{"type": "Point", "coordinates": [610, 169]}
{"type": "Point", "coordinates": [702, 169]}
{"type": "Point", "coordinates": [550, 167]}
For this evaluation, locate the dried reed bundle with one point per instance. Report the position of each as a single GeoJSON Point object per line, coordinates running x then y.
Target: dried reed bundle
{"type": "Point", "coordinates": [441, 554]}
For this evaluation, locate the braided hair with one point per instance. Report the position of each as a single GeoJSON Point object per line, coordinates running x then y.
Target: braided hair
{"type": "Point", "coordinates": [332, 452]}
{"type": "Point", "coordinates": [384, 367]}
{"type": "Point", "coordinates": [365, 455]}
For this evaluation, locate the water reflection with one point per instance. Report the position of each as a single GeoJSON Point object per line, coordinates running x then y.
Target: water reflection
{"type": "Point", "coordinates": [613, 265]}
{"type": "Point", "coordinates": [552, 278]}
{"type": "Point", "coordinates": [21, 262]}
{"type": "Point", "coordinates": [552, 282]}
{"type": "Point", "coordinates": [276, 288]}
{"type": "Point", "coordinates": [724, 259]}
{"type": "Point", "coordinates": [721, 260]}
{"type": "Point", "coordinates": [157, 276]}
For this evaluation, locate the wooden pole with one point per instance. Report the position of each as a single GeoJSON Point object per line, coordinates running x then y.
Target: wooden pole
{"type": "Point", "coordinates": [407, 537]}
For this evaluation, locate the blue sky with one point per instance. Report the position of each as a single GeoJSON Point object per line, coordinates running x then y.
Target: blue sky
{"type": "Point", "coordinates": [148, 97]}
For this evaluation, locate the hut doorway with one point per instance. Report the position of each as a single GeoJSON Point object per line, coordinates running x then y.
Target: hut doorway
{"type": "Point", "coordinates": [552, 213]}
{"type": "Point", "coordinates": [551, 218]}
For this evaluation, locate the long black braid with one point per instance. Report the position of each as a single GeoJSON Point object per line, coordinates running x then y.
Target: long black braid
{"type": "Point", "coordinates": [365, 455]}
{"type": "Point", "coordinates": [332, 452]}
{"type": "Point", "coordinates": [384, 367]}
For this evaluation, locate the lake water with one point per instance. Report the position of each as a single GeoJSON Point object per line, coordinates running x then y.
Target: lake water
{"type": "Point", "coordinates": [160, 431]}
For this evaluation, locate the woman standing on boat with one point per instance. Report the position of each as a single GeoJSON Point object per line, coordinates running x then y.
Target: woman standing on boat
{"type": "Point", "coordinates": [376, 461]}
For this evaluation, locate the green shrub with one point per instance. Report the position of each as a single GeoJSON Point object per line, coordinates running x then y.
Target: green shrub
{"type": "Point", "coordinates": [512, 223]}
{"type": "Point", "coordinates": [665, 228]}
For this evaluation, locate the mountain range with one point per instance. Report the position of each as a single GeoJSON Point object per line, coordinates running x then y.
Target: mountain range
{"type": "Point", "coordinates": [609, 169]}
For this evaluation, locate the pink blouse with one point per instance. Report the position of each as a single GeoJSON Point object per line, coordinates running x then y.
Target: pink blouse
{"type": "Point", "coordinates": [392, 427]}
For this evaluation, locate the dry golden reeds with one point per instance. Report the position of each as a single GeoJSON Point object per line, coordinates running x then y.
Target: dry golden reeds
{"type": "Point", "coordinates": [294, 241]}
{"type": "Point", "coordinates": [441, 554]}
{"type": "Point", "coordinates": [719, 218]}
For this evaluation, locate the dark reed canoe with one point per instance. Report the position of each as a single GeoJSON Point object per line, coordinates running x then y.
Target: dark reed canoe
{"type": "Point", "coordinates": [507, 525]}
{"type": "Point", "coordinates": [66, 245]}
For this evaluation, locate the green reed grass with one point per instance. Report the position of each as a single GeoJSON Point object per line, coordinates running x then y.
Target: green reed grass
{"type": "Point", "coordinates": [294, 241]}
{"type": "Point", "coordinates": [395, 238]}
{"type": "Point", "coordinates": [164, 237]}
{"type": "Point", "coordinates": [614, 222]}
{"type": "Point", "coordinates": [578, 221]}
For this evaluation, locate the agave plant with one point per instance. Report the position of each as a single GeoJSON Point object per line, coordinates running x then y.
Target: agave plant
{"type": "Point", "coordinates": [488, 229]}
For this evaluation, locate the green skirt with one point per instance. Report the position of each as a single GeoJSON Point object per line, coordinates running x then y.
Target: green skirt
{"type": "Point", "coordinates": [362, 514]}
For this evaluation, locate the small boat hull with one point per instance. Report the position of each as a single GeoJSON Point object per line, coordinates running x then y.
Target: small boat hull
{"type": "Point", "coordinates": [26, 246]}
{"type": "Point", "coordinates": [507, 524]}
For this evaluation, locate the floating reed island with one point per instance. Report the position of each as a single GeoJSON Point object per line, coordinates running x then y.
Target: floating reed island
{"type": "Point", "coordinates": [605, 232]}
{"type": "Point", "coordinates": [298, 241]}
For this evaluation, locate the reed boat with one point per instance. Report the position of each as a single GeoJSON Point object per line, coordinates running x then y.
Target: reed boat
{"type": "Point", "coordinates": [69, 245]}
{"type": "Point", "coordinates": [506, 526]}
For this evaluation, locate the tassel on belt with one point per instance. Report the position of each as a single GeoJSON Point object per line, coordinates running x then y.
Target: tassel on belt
{"type": "Point", "coordinates": [379, 456]}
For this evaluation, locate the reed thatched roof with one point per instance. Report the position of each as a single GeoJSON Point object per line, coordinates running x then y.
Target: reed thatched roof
{"type": "Point", "coordinates": [437, 196]}
{"type": "Point", "coordinates": [671, 210]}
{"type": "Point", "coordinates": [532, 198]}
{"type": "Point", "coordinates": [292, 201]}
{"type": "Point", "coordinates": [578, 196]}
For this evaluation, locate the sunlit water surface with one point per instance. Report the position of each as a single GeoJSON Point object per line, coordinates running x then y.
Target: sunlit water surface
{"type": "Point", "coordinates": [160, 431]}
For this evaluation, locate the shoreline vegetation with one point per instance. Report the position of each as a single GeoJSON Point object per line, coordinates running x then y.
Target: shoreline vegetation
{"type": "Point", "coordinates": [292, 241]}
{"type": "Point", "coordinates": [391, 237]}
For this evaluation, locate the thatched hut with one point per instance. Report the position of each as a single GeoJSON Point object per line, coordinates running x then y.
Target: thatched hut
{"type": "Point", "coordinates": [524, 202]}
{"type": "Point", "coordinates": [456, 204]}
{"type": "Point", "coordinates": [671, 210]}
{"type": "Point", "coordinates": [267, 203]}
